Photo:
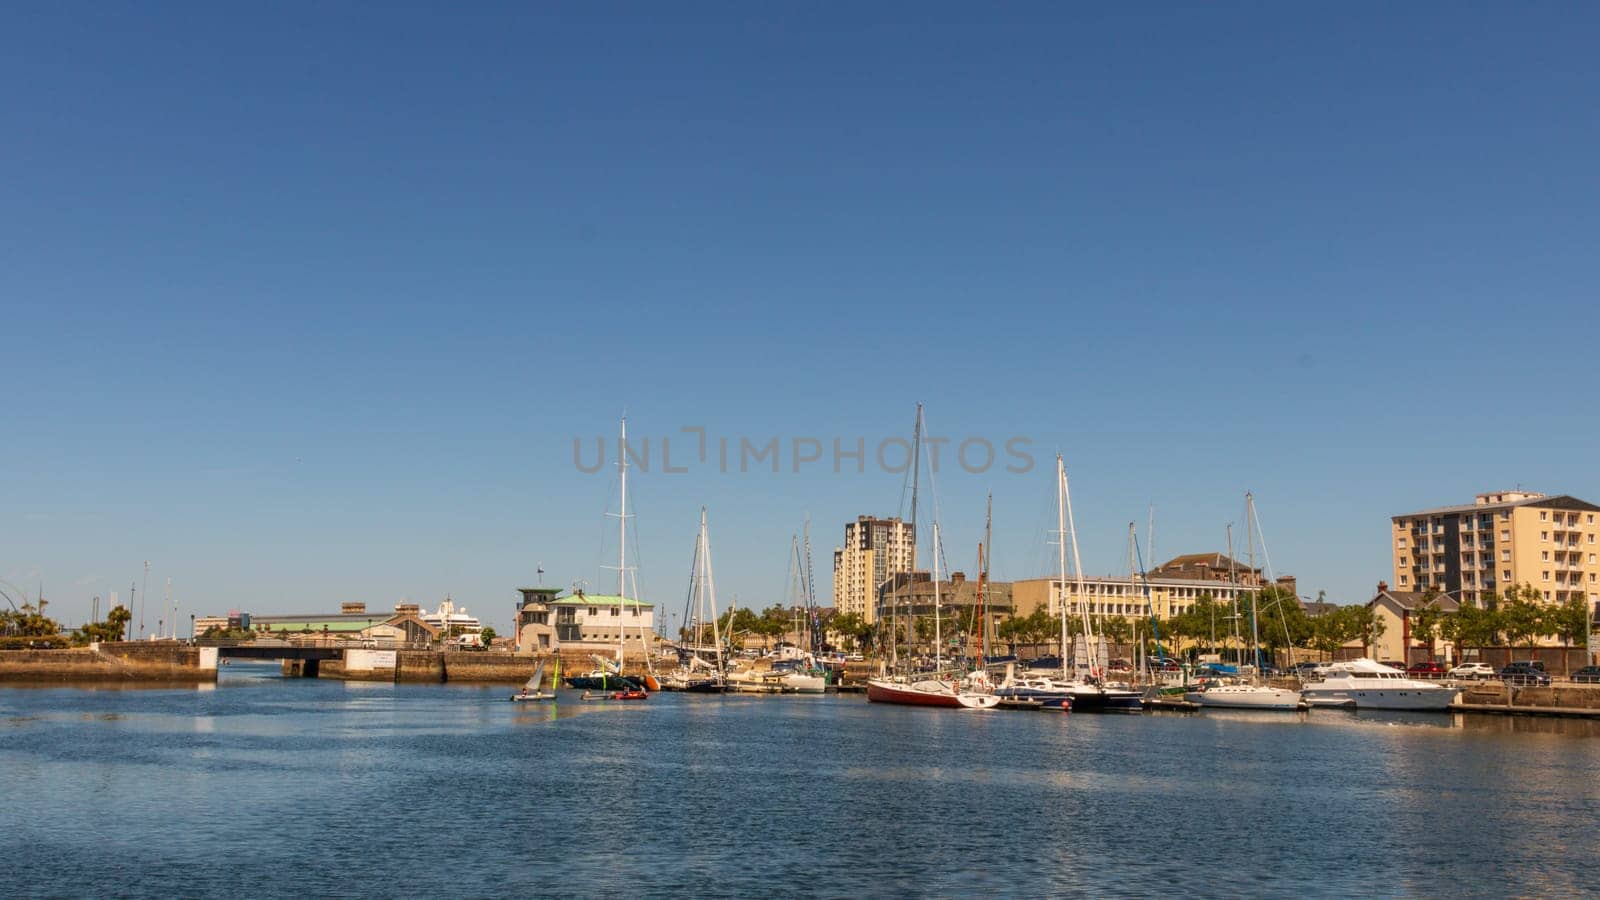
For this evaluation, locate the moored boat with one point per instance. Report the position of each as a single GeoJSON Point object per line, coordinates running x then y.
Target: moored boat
{"type": "Point", "coordinates": [929, 692]}
{"type": "Point", "coordinates": [1245, 696]}
{"type": "Point", "coordinates": [1364, 684]}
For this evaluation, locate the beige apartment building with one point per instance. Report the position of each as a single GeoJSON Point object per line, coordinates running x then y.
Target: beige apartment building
{"type": "Point", "coordinates": [1498, 542]}
{"type": "Point", "coordinates": [1111, 595]}
{"type": "Point", "coordinates": [874, 550]}
{"type": "Point", "coordinates": [1174, 587]}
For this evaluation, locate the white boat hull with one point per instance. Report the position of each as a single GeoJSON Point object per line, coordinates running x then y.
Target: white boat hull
{"type": "Point", "coordinates": [1438, 699]}
{"type": "Point", "coordinates": [1245, 697]}
{"type": "Point", "coordinates": [805, 684]}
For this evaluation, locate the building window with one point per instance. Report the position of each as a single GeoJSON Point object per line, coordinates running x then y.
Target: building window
{"type": "Point", "coordinates": [1401, 544]}
{"type": "Point", "coordinates": [1547, 596]}
{"type": "Point", "coordinates": [1544, 555]}
{"type": "Point", "coordinates": [1403, 579]}
{"type": "Point", "coordinates": [1505, 555]}
{"type": "Point", "coordinates": [1544, 516]}
{"type": "Point", "coordinates": [1591, 518]}
{"type": "Point", "coordinates": [1506, 575]}
{"type": "Point", "coordinates": [1505, 535]}
{"type": "Point", "coordinates": [1545, 575]}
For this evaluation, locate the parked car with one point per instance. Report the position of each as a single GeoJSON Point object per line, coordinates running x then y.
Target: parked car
{"type": "Point", "coordinates": [1430, 669]}
{"type": "Point", "coordinates": [1525, 673]}
{"type": "Point", "coordinates": [1393, 664]}
{"type": "Point", "coordinates": [1120, 665]}
{"type": "Point", "coordinates": [1587, 675]}
{"type": "Point", "coordinates": [1473, 671]}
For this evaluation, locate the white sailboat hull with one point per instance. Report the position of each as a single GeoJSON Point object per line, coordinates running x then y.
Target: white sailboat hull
{"type": "Point", "coordinates": [1244, 696]}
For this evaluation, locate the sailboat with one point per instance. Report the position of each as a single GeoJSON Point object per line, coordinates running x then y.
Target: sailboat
{"type": "Point", "coordinates": [945, 689]}
{"type": "Point", "coordinates": [1081, 688]}
{"type": "Point", "coordinates": [609, 674]}
{"type": "Point", "coordinates": [696, 675]}
{"type": "Point", "coordinates": [530, 691]}
{"type": "Point", "coordinates": [1255, 694]}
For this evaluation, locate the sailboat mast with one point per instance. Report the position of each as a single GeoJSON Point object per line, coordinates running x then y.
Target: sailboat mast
{"type": "Point", "coordinates": [1250, 544]}
{"type": "Point", "coordinates": [983, 582]}
{"type": "Point", "coordinates": [916, 480]}
{"type": "Point", "coordinates": [622, 544]}
{"type": "Point", "coordinates": [1093, 651]}
{"type": "Point", "coordinates": [938, 638]}
{"type": "Point", "coordinates": [1133, 591]}
{"type": "Point", "coordinates": [815, 641]}
{"type": "Point", "coordinates": [1061, 555]}
{"type": "Point", "coordinates": [1233, 580]}
{"type": "Point", "coordinates": [711, 587]}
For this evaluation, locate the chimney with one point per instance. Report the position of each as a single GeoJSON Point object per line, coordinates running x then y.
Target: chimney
{"type": "Point", "coordinates": [352, 609]}
{"type": "Point", "coordinates": [958, 577]}
{"type": "Point", "coordinates": [1383, 586]}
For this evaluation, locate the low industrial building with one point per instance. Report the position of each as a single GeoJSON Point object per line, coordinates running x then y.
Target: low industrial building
{"type": "Point", "coordinates": [353, 621]}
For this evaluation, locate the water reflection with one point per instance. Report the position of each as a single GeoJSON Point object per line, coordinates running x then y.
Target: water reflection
{"type": "Point", "coordinates": [686, 795]}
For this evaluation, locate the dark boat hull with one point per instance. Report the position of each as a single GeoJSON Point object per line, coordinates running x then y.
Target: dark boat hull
{"type": "Point", "coordinates": [1106, 701]}
{"type": "Point", "coordinates": [1046, 699]}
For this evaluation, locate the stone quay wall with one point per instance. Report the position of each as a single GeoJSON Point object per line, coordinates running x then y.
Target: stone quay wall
{"type": "Point", "coordinates": [124, 661]}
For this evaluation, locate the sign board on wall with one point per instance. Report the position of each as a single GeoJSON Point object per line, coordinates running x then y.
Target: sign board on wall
{"type": "Point", "coordinates": [367, 660]}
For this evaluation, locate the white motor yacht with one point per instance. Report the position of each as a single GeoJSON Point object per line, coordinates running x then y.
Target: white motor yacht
{"type": "Point", "coordinates": [1364, 684]}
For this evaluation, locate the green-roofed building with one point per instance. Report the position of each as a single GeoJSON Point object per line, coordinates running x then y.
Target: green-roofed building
{"type": "Point", "coordinates": [592, 622]}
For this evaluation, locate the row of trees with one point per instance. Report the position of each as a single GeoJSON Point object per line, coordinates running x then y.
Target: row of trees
{"type": "Point", "coordinates": [29, 621]}
{"type": "Point", "coordinates": [1518, 619]}
{"type": "Point", "coordinates": [772, 622]}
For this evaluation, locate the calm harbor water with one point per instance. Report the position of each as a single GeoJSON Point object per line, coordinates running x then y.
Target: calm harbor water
{"type": "Point", "coordinates": [267, 786]}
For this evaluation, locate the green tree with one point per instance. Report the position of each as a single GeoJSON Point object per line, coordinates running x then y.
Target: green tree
{"type": "Point", "coordinates": [1570, 622]}
{"type": "Point", "coordinates": [487, 635]}
{"type": "Point", "coordinates": [1281, 622]}
{"type": "Point", "coordinates": [1117, 629]}
{"type": "Point", "coordinates": [1475, 626]}
{"type": "Point", "coordinates": [1425, 621]}
{"type": "Point", "coordinates": [1450, 632]}
{"type": "Point", "coordinates": [1333, 629]}
{"type": "Point", "coordinates": [1521, 617]}
{"type": "Point", "coordinates": [1367, 626]}
{"type": "Point", "coordinates": [112, 629]}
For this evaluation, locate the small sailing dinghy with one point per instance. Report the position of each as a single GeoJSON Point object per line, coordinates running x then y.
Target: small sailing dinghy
{"type": "Point", "coordinates": [530, 691]}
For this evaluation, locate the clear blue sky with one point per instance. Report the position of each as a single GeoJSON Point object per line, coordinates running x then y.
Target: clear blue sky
{"type": "Point", "coordinates": [307, 304]}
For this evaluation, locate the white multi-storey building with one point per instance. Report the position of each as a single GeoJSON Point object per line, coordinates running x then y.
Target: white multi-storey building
{"type": "Point", "coordinates": [874, 551]}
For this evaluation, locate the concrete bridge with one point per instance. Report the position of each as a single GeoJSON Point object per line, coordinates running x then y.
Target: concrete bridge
{"type": "Point", "coordinates": [280, 651]}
